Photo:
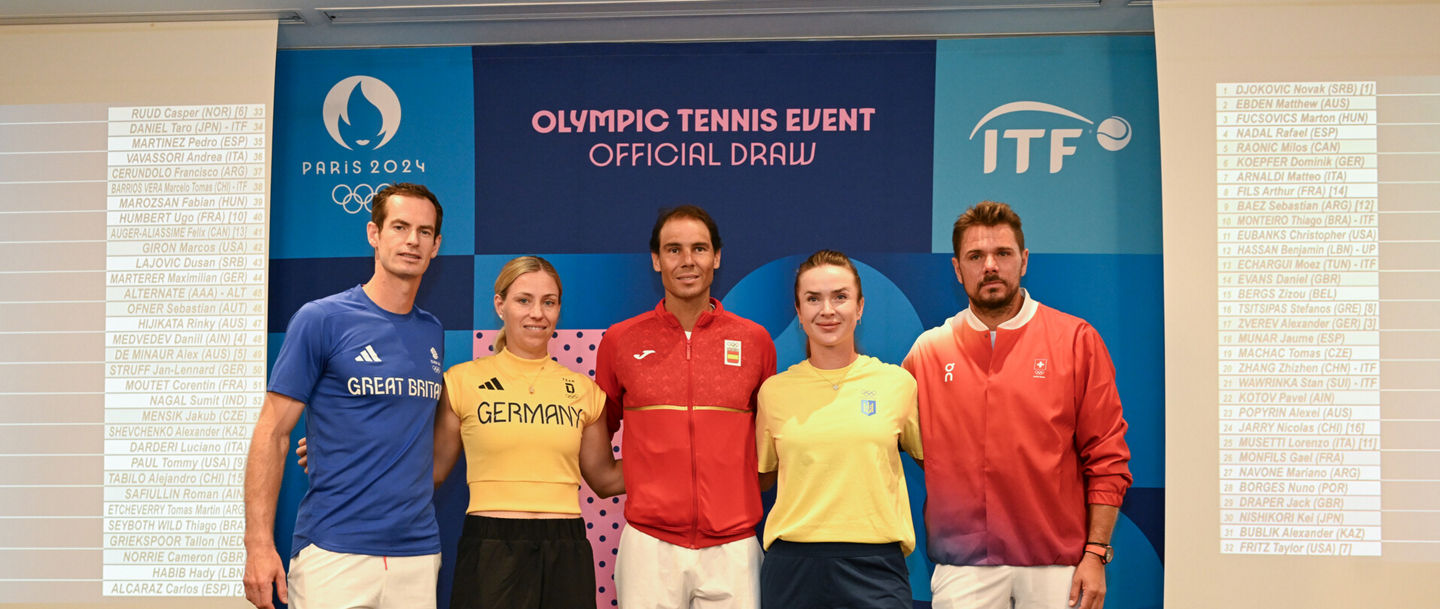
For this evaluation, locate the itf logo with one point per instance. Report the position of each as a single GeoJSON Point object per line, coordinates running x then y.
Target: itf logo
{"type": "Point", "coordinates": [1112, 134]}
{"type": "Point", "coordinates": [361, 112]}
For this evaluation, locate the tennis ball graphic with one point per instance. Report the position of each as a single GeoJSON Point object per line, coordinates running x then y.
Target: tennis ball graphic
{"type": "Point", "coordinates": [1113, 133]}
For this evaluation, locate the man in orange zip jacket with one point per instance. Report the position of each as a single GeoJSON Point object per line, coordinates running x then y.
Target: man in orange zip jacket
{"type": "Point", "coordinates": [684, 376]}
{"type": "Point", "coordinates": [1025, 457]}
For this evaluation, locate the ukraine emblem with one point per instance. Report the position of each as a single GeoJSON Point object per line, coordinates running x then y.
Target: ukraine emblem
{"type": "Point", "coordinates": [867, 407]}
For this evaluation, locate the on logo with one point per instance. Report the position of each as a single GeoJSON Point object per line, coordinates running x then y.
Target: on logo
{"type": "Point", "coordinates": [949, 372]}
{"type": "Point", "coordinates": [1112, 134]}
{"type": "Point", "coordinates": [365, 121]}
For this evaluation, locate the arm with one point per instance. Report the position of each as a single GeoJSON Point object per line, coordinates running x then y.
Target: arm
{"type": "Point", "coordinates": [912, 426]}
{"type": "Point", "coordinates": [264, 467]}
{"type": "Point", "coordinates": [1100, 426]}
{"type": "Point", "coordinates": [1088, 584]}
{"type": "Point", "coordinates": [598, 466]}
{"type": "Point", "coordinates": [764, 443]}
{"type": "Point", "coordinates": [767, 461]}
{"type": "Point", "coordinates": [447, 437]}
{"type": "Point", "coordinates": [910, 440]}
{"type": "Point", "coordinates": [767, 480]}
{"type": "Point", "coordinates": [1104, 458]}
{"type": "Point", "coordinates": [609, 383]}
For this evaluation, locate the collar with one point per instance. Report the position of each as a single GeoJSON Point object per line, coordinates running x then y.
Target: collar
{"type": "Point", "coordinates": [1027, 311]}
{"type": "Point", "coordinates": [524, 365]}
{"type": "Point", "coordinates": [705, 316]}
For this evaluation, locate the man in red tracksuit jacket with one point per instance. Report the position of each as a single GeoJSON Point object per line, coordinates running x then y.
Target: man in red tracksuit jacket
{"type": "Point", "coordinates": [684, 377]}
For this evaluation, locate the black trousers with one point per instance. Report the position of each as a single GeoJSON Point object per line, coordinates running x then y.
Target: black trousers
{"type": "Point", "coordinates": [834, 576]}
{"type": "Point", "coordinates": [512, 563]}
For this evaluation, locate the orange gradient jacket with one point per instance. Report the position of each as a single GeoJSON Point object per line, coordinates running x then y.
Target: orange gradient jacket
{"type": "Point", "coordinates": [1019, 437]}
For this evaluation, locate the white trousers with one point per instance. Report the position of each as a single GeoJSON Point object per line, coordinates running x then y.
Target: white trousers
{"type": "Point", "coordinates": [654, 574]}
{"type": "Point", "coordinates": [321, 579]}
{"type": "Point", "coordinates": [1001, 587]}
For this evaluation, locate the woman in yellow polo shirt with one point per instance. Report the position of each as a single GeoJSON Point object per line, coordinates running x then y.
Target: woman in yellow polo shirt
{"type": "Point", "coordinates": [531, 429]}
{"type": "Point", "coordinates": [832, 427]}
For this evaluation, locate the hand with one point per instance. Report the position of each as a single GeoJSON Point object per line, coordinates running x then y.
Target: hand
{"type": "Point", "coordinates": [263, 570]}
{"type": "Point", "coordinates": [1088, 585]}
{"type": "Point", "coordinates": [303, 451]}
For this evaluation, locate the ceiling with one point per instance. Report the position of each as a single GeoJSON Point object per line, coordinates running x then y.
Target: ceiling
{"type": "Point", "coordinates": [384, 23]}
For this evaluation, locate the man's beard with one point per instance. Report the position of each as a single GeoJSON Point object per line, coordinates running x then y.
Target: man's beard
{"type": "Point", "coordinates": [997, 303]}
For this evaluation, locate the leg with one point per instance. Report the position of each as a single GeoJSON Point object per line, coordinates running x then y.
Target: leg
{"type": "Point", "coordinates": [968, 587]}
{"type": "Point", "coordinates": [727, 576]}
{"type": "Point", "coordinates": [409, 582]}
{"type": "Point", "coordinates": [321, 579]}
{"type": "Point", "coordinates": [1043, 587]}
{"type": "Point", "coordinates": [568, 568]}
{"type": "Point", "coordinates": [880, 581]}
{"type": "Point", "coordinates": [651, 574]}
{"type": "Point", "coordinates": [496, 567]}
{"type": "Point", "coordinates": [786, 581]}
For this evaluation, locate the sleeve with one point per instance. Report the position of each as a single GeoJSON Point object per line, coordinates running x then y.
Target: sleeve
{"type": "Point", "coordinates": [609, 383]}
{"type": "Point", "coordinates": [1100, 424]}
{"type": "Point", "coordinates": [910, 431]}
{"type": "Point", "coordinates": [767, 365]}
{"type": "Point", "coordinates": [766, 458]}
{"type": "Point", "coordinates": [302, 356]}
{"type": "Point", "coordinates": [595, 405]}
{"type": "Point", "coordinates": [454, 388]}
{"type": "Point", "coordinates": [909, 362]}
{"type": "Point", "coordinates": [918, 352]}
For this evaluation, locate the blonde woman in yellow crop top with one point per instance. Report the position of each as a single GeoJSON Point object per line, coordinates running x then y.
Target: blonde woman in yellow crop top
{"type": "Point", "coordinates": [531, 430]}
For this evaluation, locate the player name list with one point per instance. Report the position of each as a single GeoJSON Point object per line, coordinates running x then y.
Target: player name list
{"type": "Point", "coordinates": [184, 343]}
{"type": "Point", "coordinates": [1299, 295]}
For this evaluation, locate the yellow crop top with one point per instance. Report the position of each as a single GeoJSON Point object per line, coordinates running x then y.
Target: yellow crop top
{"type": "Point", "coordinates": [522, 449]}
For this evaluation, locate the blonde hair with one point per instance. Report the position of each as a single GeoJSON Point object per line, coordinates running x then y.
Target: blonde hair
{"type": "Point", "coordinates": [512, 271]}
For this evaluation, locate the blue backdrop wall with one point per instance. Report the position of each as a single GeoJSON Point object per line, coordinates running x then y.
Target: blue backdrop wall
{"type": "Point", "coordinates": [873, 148]}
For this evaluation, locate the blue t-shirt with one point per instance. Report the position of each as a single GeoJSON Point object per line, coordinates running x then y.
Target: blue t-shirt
{"type": "Point", "coordinates": [370, 380]}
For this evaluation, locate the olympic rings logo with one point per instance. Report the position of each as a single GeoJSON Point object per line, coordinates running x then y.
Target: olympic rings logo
{"type": "Point", "coordinates": [354, 199]}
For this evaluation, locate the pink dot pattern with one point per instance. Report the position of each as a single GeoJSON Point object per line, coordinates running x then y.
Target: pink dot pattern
{"type": "Point", "coordinates": [604, 518]}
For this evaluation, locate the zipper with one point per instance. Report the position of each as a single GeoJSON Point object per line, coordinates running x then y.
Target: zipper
{"type": "Point", "coordinates": [694, 467]}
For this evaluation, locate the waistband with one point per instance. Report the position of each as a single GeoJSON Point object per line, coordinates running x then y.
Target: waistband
{"type": "Point", "coordinates": [531, 529]}
{"type": "Point", "coordinates": [833, 549]}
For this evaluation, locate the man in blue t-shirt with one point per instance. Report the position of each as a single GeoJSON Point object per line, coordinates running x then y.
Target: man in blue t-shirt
{"type": "Point", "coordinates": [366, 362]}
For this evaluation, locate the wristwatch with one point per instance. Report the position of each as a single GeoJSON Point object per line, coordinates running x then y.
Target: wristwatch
{"type": "Point", "coordinates": [1106, 553]}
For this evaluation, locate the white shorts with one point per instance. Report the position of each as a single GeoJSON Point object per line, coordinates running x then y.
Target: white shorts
{"type": "Point", "coordinates": [321, 579]}
{"type": "Point", "coordinates": [994, 587]}
{"type": "Point", "coordinates": [653, 574]}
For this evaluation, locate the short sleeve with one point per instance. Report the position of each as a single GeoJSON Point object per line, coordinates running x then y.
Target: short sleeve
{"type": "Point", "coordinates": [594, 404]}
{"type": "Point", "coordinates": [910, 429]}
{"type": "Point", "coordinates": [766, 458]}
{"type": "Point", "coordinates": [302, 356]}
{"type": "Point", "coordinates": [453, 389]}
{"type": "Point", "coordinates": [608, 382]}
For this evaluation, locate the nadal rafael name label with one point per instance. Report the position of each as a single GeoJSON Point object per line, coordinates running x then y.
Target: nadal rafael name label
{"type": "Point", "coordinates": [185, 297]}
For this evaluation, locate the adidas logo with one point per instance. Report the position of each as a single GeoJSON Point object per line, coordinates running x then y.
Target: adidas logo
{"type": "Point", "coordinates": [368, 354]}
{"type": "Point", "coordinates": [493, 384]}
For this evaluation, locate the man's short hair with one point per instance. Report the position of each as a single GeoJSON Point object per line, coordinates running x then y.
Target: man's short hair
{"type": "Point", "coordinates": [381, 201]}
{"type": "Point", "coordinates": [684, 211]}
{"type": "Point", "coordinates": [987, 213]}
